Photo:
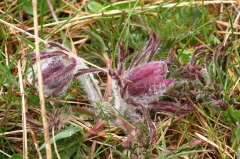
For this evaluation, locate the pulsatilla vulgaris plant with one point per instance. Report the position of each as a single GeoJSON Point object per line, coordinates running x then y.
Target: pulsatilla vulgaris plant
{"type": "Point", "coordinates": [58, 70]}
{"type": "Point", "coordinates": [141, 85]}
{"type": "Point", "coordinates": [59, 67]}
{"type": "Point", "coordinates": [135, 90]}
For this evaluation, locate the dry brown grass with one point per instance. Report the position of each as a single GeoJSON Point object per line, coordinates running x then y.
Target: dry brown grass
{"type": "Point", "coordinates": [202, 130]}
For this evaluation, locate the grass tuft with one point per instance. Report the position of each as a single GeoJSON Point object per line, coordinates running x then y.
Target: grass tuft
{"type": "Point", "coordinates": [205, 33]}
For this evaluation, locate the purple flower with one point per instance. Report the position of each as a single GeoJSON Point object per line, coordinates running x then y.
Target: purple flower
{"type": "Point", "coordinates": [147, 82]}
{"type": "Point", "coordinates": [143, 85]}
{"type": "Point", "coordinates": [144, 82]}
{"type": "Point", "coordinates": [58, 69]}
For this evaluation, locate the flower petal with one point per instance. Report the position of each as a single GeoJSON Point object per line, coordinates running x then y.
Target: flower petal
{"type": "Point", "coordinates": [159, 67]}
{"type": "Point", "coordinates": [149, 88]}
{"type": "Point", "coordinates": [63, 86]}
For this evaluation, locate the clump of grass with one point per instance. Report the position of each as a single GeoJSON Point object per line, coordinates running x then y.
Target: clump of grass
{"type": "Point", "coordinates": [203, 33]}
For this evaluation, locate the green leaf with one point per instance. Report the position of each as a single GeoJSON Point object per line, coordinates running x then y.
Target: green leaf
{"type": "Point", "coordinates": [27, 41]}
{"type": "Point", "coordinates": [68, 152]}
{"type": "Point", "coordinates": [16, 156]}
{"type": "Point", "coordinates": [186, 54]}
{"type": "Point", "coordinates": [2, 35]}
{"type": "Point", "coordinates": [237, 131]}
{"type": "Point", "coordinates": [33, 100]}
{"type": "Point", "coordinates": [42, 5]}
{"type": "Point", "coordinates": [94, 7]}
{"type": "Point", "coordinates": [119, 5]}
{"type": "Point", "coordinates": [234, 114]}
{"type": "Point", "coordinates": [64, 134]}
{"type": "Point", "coordinates": [79, 155]}
{"type": "Point", "coordinates": [214, 40]}
{"type": "Point", "coordinates": [85, 148]}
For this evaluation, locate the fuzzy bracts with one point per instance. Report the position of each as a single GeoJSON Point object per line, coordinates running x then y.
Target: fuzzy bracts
{"type": "Point", "coordinates": [59, 68]}
{"type": "Point", "coordinates": [143, 83]}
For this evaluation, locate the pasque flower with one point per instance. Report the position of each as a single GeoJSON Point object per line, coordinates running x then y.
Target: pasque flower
{"type": "Point", "coordinates": [147, 82]}
{"type": "Point", "coordinates": [144, 82]}
{"type": "Point", "coordinates": [144, 85]}
{"type": "Point", "coordinates": [59, 68]}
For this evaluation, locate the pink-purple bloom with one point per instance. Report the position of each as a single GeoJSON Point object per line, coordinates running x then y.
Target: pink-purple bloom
{"type": "Point", "coordinates": [144, 82]}
{"type": "Point", "coordinates": [144, 85]}
{"type": "Point", "coordinates": [147, 82]}
{"type": "Point", "coordinates": [58, 69]}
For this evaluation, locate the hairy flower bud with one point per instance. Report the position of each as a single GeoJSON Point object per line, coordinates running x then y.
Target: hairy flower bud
{"type": "Point", "coordinates": [147, 82]}
{"type": "Point", "coordinates": [57, 71]}
{"type": "Point", "coordinates": [59, 67]}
